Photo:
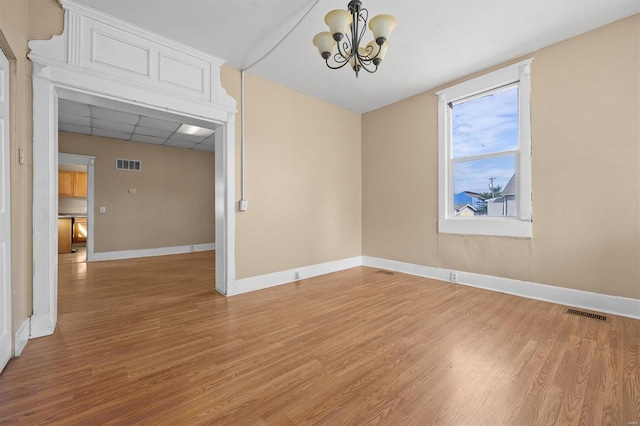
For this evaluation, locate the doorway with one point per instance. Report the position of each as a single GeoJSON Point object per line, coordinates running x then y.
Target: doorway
{"type": "Point", "coordinates": [76, 175]}
{"type": "Point", "coordinates": [157, 75]}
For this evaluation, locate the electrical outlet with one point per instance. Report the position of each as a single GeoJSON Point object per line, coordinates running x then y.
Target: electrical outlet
{"type": "Point", "coordinates": [454, 277]}
{"type": "Point", "coordinates": [298, 276]}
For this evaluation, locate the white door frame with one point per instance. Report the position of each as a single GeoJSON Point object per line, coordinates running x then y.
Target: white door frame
{"type": "Point", "coordinates": [6, 329]}
{"type": "Point", "coordinates": [70, 67]}
{"type": "Point", "coordinates": [90, 163]}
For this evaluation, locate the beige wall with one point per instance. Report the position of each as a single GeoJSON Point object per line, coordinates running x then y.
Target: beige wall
{"type": "Point", "coordinates": [585, 121]}
{"type": "Point", "coordinates": [174, 200]}
{"type": "Point", "coordinates": [303, 179]}
{"type": "Point", "coordinates": [20, 21]}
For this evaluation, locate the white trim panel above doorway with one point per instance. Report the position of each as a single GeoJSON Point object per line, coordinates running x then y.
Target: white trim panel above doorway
{"type": "Point", "coordinates": [100, 57]}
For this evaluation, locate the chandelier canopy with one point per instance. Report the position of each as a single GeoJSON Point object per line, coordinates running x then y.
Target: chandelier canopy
{"type": "Point", "coordinates": [346, 30]}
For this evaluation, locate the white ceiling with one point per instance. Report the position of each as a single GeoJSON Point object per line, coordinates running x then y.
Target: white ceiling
{"type": "Point", "coordinates": [435, 42]}
{"type": "Point", "coordinates": [115, 123]}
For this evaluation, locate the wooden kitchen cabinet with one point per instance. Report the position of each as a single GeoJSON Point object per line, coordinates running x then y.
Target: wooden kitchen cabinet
{"type": "Point", "coordinates": [80, 230]}
{"type": "Point", "coordinates": [72, 184]}
{"type": "Point", "coordinates": [64, 235]}
{"type": "Point", "coordinates": [80, 187]}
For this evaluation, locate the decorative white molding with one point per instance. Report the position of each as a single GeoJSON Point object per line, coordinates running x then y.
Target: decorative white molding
{"type": "Point", "coordinates": [159, 251]}
{"type": "Point", "coordinates": [259, 282]}
{"type": "Point", "coordinates": [22, 337]}
{"type": "Point", "coordinates": [125, 67]}
{"type": "Point", "coordinates": [614, 305]}
{"type": "Point", "coordinates": [108, 47]}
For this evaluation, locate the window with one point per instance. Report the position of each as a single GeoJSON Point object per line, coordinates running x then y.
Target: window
{"type": "Point", "coordinates": [484, 137]}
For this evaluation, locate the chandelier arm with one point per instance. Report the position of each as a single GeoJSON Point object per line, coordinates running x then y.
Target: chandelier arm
{"type": "Point", "coordinates": [370, 50]}
{"type": "Point", "coordinates": [366, 63]}
{"type": "Point", "coordinates": [343, 52]}
{"type": "Point", "coordinates": [363, 15]}
{"type": "Point", "coordinates": [364, 67]}
{"type": "Point", "coordinates": [341, 64]}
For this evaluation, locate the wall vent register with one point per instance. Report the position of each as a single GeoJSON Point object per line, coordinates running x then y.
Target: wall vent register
{"type": "Point", "coordinates": [124, 164]}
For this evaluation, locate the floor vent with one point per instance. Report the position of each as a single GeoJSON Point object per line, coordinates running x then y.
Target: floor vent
{"type": "Point", "coordinates": [587, 314]}
{"type": "Point", "coordinates": [382, 271]}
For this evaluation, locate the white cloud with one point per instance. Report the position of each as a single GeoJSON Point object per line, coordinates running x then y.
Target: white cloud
{"type": "Point", "coordinates": [487, 124]}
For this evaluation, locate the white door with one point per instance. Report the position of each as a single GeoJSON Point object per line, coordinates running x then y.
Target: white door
{"type": "Point", "coordinates": [5, 217]}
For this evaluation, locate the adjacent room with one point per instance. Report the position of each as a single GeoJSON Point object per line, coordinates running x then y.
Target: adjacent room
{"type": "Point", "coordinates": [319, 212]}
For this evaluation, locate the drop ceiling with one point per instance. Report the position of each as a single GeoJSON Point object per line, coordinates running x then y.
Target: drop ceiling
{"type": "Point", "coordinates": [115, 123]}
{"type": "Point", "coordinates": [434, 43]}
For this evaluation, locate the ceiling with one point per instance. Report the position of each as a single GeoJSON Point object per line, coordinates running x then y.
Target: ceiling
{"type": "Point", "coordinates": [435, 42]}
{"type": "Point", "coordinates": [116, 123]}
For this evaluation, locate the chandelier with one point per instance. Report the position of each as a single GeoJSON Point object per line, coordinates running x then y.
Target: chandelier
{"type": "Point", "coordinates": [346, 29]}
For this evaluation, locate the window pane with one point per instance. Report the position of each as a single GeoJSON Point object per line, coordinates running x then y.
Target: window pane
{"type": "Point", "coordinates": [485, 187]}
{"type": "Point", "coordinates": [487, 124]}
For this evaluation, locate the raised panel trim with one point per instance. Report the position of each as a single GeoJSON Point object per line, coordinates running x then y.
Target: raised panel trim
{"type": "Point", "coordinates": [143, 69]}
{"type": "Point", "coordinates": [165, 77]}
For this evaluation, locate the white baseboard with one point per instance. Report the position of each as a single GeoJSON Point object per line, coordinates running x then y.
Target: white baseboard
{"type": "Point", "coordinates": [160, 251]}
{"type": "Point", "coordinates": [260, 282]}
{"type": "Point", "coordinates": [614, 305]}
{"type": "Point", "coordinates": [22, 337]}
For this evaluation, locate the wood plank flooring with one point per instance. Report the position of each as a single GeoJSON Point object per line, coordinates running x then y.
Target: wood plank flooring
{"type": "Point", "coordinates": [148, 341]}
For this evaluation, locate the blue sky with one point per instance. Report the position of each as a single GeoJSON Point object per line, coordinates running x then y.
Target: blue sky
{"type": "Point", "coordinates": [482, 126]}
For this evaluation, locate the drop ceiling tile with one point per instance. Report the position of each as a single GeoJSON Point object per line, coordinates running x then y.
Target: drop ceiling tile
{"type": "Point", "coordinates": [77, 120]}
{"type": "Point", "coordinates": [115, 116]}
{"type": "Point", "coordinates": [180, 144]}
{"type": "Point", "coordinates": [111, 125]}
{"type": "Point", "coordinates": [209, 141]}
{"type": "Point", "coordinates": [72, 128]}
{"type": "Point", "coordinates": [111, 134]}
{"type": "Point", "coordinates": [158, 124]}
{"type": "Point", "coordinates": [73, 108]}
{"type": "Point", "coordinates": [148, 139]}
{"type": "Point", "coordinates": [153, 132]}
{"type": "Point", "coordinates": [203, 147]}
{"type": "Point", "coordinates": [186, 138]}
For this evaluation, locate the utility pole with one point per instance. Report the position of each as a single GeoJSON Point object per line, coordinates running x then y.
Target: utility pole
{"type": "Point", "coordinates": [491, 179]}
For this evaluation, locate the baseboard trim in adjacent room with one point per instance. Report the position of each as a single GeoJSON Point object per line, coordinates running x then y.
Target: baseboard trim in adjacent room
{"type": "Point", "coordinates": [22, 337]}
{"type": "Point", "coordinates": [259, 282]}
{"type": "Point", "coordinates": [160, 251]}
{"type": "Point", "coordinates": [605, 303]}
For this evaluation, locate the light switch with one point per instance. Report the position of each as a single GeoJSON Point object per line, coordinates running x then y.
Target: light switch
{"type": "Point", "coordinates": [103, 209]}
{"type": "Point", "coordinates": [132, 190]}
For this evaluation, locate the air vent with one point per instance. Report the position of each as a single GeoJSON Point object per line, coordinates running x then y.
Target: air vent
{"type": "Point", "coordinates": [124, 164]}
{"type": "Point", "coordinates": [382, 271]}
{"type": "Point", "coordinates": [587, 314]}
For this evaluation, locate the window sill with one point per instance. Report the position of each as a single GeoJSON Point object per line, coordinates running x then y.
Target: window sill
{"type": "Point", "coordinates": [500, 227]}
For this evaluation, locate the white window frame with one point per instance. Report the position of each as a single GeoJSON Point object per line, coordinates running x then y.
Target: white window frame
{"type": "Point", "coordinates": [520, 225]}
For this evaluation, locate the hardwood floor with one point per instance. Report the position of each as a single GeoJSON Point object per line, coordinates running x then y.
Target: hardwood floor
{"type": "Point", "coordinates": [149, 341]}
